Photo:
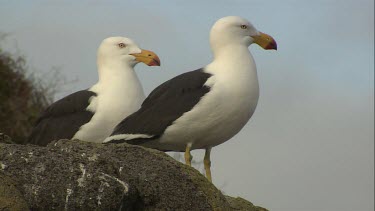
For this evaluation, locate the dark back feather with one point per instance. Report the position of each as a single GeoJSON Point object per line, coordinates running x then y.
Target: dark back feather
{"type": "Point", "coordinates": [164, 105]}
{"type": "Point", "coordinates": [62, 119]}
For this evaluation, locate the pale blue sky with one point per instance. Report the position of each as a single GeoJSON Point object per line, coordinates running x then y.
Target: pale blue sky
{"type": "Point", "coordinates": [310, 143]}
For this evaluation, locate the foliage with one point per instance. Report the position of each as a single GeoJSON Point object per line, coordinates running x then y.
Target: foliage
{"type": "Point", "coordinates": [22, 97]}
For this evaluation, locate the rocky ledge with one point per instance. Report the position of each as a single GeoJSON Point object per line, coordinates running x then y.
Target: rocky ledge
{"type": "Point", "coordinates": [75, 175]}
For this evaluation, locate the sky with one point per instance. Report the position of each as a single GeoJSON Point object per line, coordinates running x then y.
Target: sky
{"type": "Point", "coordinates": [310, 144]}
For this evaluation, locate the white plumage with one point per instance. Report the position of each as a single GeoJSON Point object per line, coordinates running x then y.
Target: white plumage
{"type": "Point", "coordinates": [226, 93]}
{"type": "Point", "coordinates": [91, 115]}
{"type": "Point", "coordinates": [119, 91]}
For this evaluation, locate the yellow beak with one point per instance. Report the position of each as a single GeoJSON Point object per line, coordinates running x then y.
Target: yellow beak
{"type": "Point", "coordinates": [265, 41]}
{"type": "Point", "coordinates": [148, 57]}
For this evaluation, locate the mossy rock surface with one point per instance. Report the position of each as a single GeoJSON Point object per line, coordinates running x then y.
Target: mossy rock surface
{"type": "Point", "coordinates": [75, 175]}
{"type": "Point", "coordinates": [5, 139]}
{"type": "Point", "coordinates": [10, 197]}
{"type": "Point", "coordinates": [242, 204]}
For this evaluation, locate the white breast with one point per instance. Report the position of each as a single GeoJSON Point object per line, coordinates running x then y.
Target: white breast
{"type": "Point", "coordinates": [222, 112]}
{"type": "Point", "coordinates": [117, 98]}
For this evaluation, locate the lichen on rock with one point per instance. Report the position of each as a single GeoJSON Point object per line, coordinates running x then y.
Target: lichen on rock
{"type": "Point", "coordinates": [75, 175]}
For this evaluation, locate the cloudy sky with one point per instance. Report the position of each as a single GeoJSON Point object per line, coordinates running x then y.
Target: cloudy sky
{"type": "Point", "coordinates": [309, 145]}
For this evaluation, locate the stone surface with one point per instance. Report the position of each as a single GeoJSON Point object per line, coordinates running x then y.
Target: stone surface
{"type": "Point", "coordinates": [242, 204]}
{"type": "Point", "coordinates": [74, 175]}
{"type": "Point", "coordinates": [5, 139]}
{"type": "Point", "coordinates": [10, 197]}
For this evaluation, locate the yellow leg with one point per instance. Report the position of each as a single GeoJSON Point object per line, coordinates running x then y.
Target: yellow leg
{"type": "Point", "coordinates": [207, 164]}
{"type": "Point", "coordinates": [188, 156]}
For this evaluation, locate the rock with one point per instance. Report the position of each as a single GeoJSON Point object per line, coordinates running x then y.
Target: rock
{"type": "Point", "coordinates": [10, 197]}
{"type": "Point", "coordinates": [75, 175]}
{"type": "Point", "coordinates": [5, 139]}
{"type": "Point", "coordinates": [241, 204]}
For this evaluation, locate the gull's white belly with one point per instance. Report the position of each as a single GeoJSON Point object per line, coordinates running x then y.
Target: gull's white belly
{"type": "Point", "coordinates": [110, 107]}
{"type": "Point", "coordinates": [223, 111]}
{"type": "Point", "coordinates": [215, 119]}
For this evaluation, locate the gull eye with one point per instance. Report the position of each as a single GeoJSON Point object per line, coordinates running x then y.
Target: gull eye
{"type": "Point", "coordinates": [121, 45]}
{"type": "Point", "coordinates": [243, 27]}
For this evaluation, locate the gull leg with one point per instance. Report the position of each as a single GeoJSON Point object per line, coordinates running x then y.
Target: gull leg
{"type": "Point", "coordinates": [207, 164]}
{"type": "Point", "coordinates": [188, 156]}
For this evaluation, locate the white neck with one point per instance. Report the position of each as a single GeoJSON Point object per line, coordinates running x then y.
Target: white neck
{"type": "Point", "coordinates": [119, 80]}
{"type": "Point", "coordinates": [233, 66]}
{"type": "Point", "coordinates": [119, 94]}
{"type": "Point", "coordinates": [233, 58]}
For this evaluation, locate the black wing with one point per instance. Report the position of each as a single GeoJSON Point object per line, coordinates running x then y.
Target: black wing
{"type": "Point", "coordinates": [164, 105]}
{"type": "Point", "coordinates": [62, 119]}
